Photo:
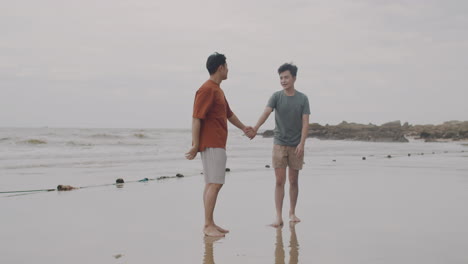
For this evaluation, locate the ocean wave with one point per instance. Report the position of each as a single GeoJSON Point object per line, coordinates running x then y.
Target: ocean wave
{"type": "Point", "coordinates": [27, 166]}
{"type": "Point", "coordinates": [140, 135]}
{"type": "Point", "coordinates": [103, 135]}
{"type": "Point", "coordinates": [34, 141]}
{"type": "Point", "coordinates": [73, 143]}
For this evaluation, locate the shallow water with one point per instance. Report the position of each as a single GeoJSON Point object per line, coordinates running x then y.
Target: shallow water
{"type": "Point", "coordinates": [379, 210]}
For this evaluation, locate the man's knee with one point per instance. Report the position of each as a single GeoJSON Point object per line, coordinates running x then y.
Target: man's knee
{"type": "Point", "coordinates": [293, 182]}
{"type": "Point", "coordinates": [215, 186]}
{"type": "Point", "coordinates": [280, 182]}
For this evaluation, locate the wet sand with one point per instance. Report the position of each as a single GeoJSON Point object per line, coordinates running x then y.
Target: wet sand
{"type": "Point", "coordinates": [382, 211]}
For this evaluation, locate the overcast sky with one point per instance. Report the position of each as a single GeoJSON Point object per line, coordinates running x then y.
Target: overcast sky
{"type": "Point", "coordinates": [138, 64]}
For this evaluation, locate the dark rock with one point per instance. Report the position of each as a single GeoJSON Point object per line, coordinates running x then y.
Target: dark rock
{"type": "Point", "coordinates": [394, 124]}
{"type": "Point", "coordinates": [451, 130]}
{"type": "Point", "coordinates": [267, 166]}
{"type": "Point", "coordinates": [228, 169]}
{"type": "Point", "coordinates": [268, 134]}
{"type": "Point", "coordinates": [409, 154]}
{"type": "Point", "coordinates": [119, 180]}
{"type": "Point", "coordinates": [363, 158]}
{"type": "Point", "coordinates": [334, 160]}
{"type": "Point", "coordinates": [389, 156]}
{"type": "Point", "coordinates": [178, 175]}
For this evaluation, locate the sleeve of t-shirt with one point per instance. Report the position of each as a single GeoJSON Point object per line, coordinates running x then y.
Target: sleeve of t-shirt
{"type": "Point", "coordinates": [229, 113]}
{"type": "Point", "coordinates": [272, 102]}
{"type": "Point", "coordinates": [306, 109]}
{"type": "Point", "coordinates": [203, 100]}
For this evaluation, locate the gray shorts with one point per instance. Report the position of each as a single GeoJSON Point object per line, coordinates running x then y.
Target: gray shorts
{"type": "Point", "coordinates": [214, 165]}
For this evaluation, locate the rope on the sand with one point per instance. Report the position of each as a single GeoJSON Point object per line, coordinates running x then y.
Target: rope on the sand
{"type": "Point", "coordinates": [41, 190]}
{"type": "Point", "coordinates": [25, 192]}
{"type": "Point", "coordinates": [399, 155]}
{"type": "Point", "coordinates": [98, 185]}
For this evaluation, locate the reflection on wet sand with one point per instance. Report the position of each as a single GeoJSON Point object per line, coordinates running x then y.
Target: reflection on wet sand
{"type": "Point", "coordinates": [293, 246]}
{"type": "Point", "coordinates": [208, 257]}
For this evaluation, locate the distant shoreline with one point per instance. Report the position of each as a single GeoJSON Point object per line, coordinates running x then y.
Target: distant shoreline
{"type": "Point", "coordinates": [388, 132]}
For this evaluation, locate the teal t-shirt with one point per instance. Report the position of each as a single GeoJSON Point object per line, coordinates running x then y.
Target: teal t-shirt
{"type": "Point", "coordinates": [288, 116]}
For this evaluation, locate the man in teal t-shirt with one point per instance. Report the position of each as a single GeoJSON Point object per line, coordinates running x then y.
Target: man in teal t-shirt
{"type": "Point", "coordinates": [291, 128]}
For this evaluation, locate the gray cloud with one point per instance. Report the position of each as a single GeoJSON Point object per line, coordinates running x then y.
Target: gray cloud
{"type": "Point", "coordinates": [138, 64]}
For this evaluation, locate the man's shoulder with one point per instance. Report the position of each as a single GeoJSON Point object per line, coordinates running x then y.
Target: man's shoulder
{"type": "Point", "coordinates": [301, 94]}
{"type": "Point", "coordinates": [208, 86]}
{"type": "Point", "coordinates": [277, 93]}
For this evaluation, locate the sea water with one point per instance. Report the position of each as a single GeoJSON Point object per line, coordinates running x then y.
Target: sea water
{"type": "Point", "coordinates": [42, 158]}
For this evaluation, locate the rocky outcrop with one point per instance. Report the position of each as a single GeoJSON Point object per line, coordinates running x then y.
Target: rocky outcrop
{"type": "Point", "coordinates": [388, 132]}
{"type": "Point", "coordinates": [450, 130]}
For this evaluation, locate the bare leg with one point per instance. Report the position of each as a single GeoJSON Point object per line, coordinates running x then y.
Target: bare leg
{"type": "Point", "coordinates": [220, 229]}
{"type": "Point", "coordinates": [280, 174]}
{"type": "Point", "coordinates": [293, 193]}
{"type": "Point", "coordinates": [209, 198]}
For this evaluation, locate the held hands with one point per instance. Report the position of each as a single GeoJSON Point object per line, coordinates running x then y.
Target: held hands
{"type": "Point", "coordinates": [192, 153]}
{"type": "Point", "coordinates": [250, 132]}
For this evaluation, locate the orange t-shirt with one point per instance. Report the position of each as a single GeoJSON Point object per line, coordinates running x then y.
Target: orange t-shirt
{"type": "Point", "coordinates": [212, 108]}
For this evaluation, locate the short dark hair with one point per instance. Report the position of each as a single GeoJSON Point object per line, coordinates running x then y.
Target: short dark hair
{"type": "Point", "coordinates": [214, 61]}
{"type": "Point", "coordinates": [288, 67]}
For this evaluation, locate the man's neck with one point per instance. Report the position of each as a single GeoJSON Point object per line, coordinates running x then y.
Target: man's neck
{"type": "Point", "coordinates": [290, 91]}
{"type": "Point", "coordinates": [216, 78]}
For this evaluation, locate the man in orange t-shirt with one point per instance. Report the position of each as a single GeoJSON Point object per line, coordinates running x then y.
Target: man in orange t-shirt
{"type": "Point", "coordinates": [211, 112]}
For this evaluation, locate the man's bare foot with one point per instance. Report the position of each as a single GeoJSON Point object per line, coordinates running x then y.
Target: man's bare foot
{"type": "Point", "coordinates": [212, 231]}
{"type": "Point", "coordinates": [222, 230]}
{"type": "Point", "coordinates": [294, 218]}
{"type": "Point", "coordinates": [277, 223]}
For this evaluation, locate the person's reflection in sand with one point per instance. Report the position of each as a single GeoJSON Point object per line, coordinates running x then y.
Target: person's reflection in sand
{"type": "Point", "coordinates": [208, 257]}
{"type": "Point", "coordinates": [279, 247]}
{"type": "Point", "coordinates": [293, 245]}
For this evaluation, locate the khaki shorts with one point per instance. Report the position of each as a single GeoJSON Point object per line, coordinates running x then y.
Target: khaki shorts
{"type": "Point", "coordinates": [214, 165]}
{"type": "Point", "coordinates": [284, 156]}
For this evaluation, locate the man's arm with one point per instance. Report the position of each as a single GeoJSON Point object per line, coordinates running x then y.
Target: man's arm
{"type": "Point", "coordinates": [236, 122]}
{"type": "Point", "coordinates": [304, 132]}
{"type": "Point", "coordinates": [263, 118]}
{"type": "Point", "coordinates": [192, 153]}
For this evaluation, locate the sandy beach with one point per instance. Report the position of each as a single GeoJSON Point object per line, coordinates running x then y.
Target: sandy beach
{"type": "Point", "coordinates": [379, 210]}
{"type": "Point", "coordinates": [379, 215]}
